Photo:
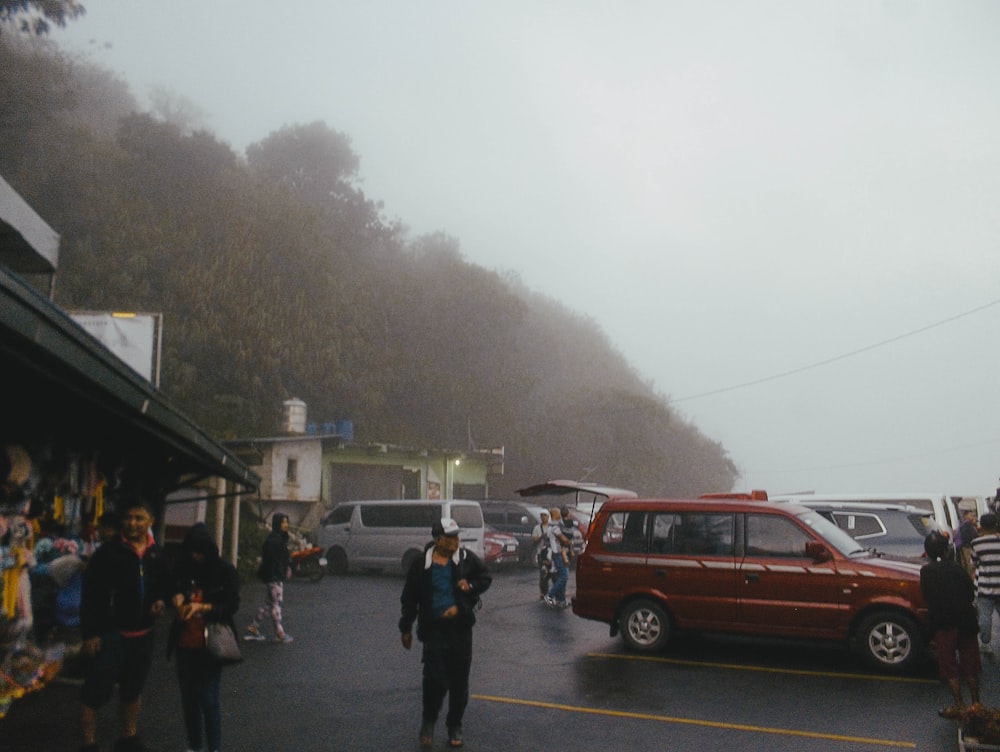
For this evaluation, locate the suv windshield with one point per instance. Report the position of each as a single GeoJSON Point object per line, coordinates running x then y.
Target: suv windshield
{"type": "Point", "coordinates": [832, 534]}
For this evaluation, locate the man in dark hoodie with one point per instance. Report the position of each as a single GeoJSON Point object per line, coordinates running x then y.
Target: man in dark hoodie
{"type": "Point", "coordinates": [125, 586]}
{"type": "Point", "coordinates": [442, 593]}
{"type": "Point", "coordinates": [275, 563]}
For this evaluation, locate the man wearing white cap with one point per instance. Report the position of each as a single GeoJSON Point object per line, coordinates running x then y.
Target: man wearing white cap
{"type": "Point", "coordinates": [442, 594]}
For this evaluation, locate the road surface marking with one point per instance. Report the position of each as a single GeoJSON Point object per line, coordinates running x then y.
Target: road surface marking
{"type": "Point", "coordinates": [764, 669]}
{"type": "Point", "coordinates": [695, 722]}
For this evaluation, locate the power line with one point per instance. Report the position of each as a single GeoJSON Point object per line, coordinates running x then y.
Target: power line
{"type": "Point", "coordinates": [836, 358]}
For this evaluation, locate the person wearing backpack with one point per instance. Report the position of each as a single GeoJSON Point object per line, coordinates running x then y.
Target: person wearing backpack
{"type": "Point", "coordinates": [962, 538]}
{"type": "Point", "coordinates": [442, 595]}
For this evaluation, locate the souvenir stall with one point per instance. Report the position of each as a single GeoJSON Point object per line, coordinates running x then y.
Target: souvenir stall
{"type": "Point", "coordinates": [79, 430]}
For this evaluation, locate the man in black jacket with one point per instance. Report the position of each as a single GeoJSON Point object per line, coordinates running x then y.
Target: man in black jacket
{"type": "Point", "coordinates": [275, 567]}
{"type": "Point", "coordinates": [125, 586]}
{"type": "Point", "coordinates": [442, 594]}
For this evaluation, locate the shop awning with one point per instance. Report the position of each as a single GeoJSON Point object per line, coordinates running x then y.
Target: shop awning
{"type": "Point", "coordinates": [64, 387]}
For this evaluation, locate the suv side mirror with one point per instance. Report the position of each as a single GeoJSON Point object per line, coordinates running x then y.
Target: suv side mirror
{"type": "Point", "coordinates": [818, 552]}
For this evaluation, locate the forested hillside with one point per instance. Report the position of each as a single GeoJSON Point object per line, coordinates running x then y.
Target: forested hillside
{"type": "Point", "coordinates": [278, 277]}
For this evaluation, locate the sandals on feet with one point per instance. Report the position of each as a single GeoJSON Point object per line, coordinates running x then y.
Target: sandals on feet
{"type": "Point", "coordinates": [426, 735]}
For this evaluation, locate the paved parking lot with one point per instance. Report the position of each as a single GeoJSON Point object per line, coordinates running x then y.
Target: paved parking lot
{"type": "Point", "coordinates": [541, 679]}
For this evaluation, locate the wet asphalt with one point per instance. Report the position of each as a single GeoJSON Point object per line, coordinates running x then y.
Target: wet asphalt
{"type": "Point", "coordinates": [541, 679]}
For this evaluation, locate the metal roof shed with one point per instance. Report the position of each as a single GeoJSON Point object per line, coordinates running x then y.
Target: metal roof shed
{"type": "Point", "coordinates": [58, 380]}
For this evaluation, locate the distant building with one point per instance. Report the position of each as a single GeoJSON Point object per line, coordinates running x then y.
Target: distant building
{"type": "Point", "coordinates": [313, 467]}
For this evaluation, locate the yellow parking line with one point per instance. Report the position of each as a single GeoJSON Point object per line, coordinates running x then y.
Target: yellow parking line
{"type": "Point", "coordinates": [695, 722]}
{"type": "Point", "coordinates": [764, 669]}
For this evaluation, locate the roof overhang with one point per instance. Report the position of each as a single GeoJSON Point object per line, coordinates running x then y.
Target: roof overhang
{"type": "Point", "coordinates": [61, 381]}
{"type": "Point", "coordinates": [27, 244]}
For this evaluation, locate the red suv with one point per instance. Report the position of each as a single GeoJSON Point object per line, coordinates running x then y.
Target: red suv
{"type": "Point", "coordinates": [747, 567]}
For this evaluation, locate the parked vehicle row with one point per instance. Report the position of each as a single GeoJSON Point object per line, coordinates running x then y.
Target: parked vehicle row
{"type": "Point", "coordinates": [888, 529]}
{"type": "Point", "coordinates": [386, 535]}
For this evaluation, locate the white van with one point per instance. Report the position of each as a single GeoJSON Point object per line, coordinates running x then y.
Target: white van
{"type": "Point", "coordinates": [387, 535]}
{"type": "Point", "coordinates": [944, 506]}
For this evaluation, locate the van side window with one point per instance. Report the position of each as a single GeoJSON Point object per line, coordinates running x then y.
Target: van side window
{"type": "Point", "coordinates": [340, 515]}
{"type": "Point", "coordinates": [401, 515]}
{"type": "Point", "coordinates": [626, 532]}
{"type": "Point", "coordinates": [773, 535]}
{"type": "Point", "coordinates": [706, 534]}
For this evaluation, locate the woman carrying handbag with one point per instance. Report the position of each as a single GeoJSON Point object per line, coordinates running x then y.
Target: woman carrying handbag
{"type": "Point", "coordinates": [206, 592]}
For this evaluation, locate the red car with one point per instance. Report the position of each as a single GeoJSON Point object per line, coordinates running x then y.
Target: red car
{"type": "Point", "coordinates": [500, 548]}
{"type": "Point", "coordinates": [655, 567]}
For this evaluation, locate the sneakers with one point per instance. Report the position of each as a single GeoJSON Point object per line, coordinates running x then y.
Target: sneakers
{"type": "Point", "coordinates": [253, 633]}
{"type": "Point", "coordinates": [549, 601]}
{"type": "Point", "coordinates": [283, 638]}
{"type": "Point", "coordinates": [455, 736]}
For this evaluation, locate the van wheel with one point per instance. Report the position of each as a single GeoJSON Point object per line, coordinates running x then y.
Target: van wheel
{"type": "Point", "coordinates": [408, 558]}
{"type": "Point", "coordinates": [336, 560]}
{"type": "Point", "coordinates": [889, 641]}
{"type": "Point", "coordinates": [645, 626]}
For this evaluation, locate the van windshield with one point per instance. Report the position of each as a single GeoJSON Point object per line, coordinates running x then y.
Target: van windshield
{"type": "Point", "coordinates": [832, 534]}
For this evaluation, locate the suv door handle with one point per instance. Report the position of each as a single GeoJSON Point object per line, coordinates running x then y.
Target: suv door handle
{"type": "Point", "coordinates": [752, 577]}
{"type": "Point", "coordinates": [659, 573]}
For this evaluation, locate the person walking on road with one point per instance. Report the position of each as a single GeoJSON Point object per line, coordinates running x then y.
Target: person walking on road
{"type": "Point", "coordinates": [558, 543]}
{"type": "Point", "coordinates": [543, 554]}
{"type": "Point", "coordinates": [206, 590]}
{"type": "Point", "coordinates": [442, 593]}
{"type": "Point", "coordinates": [986, 558]}
{"type": "Point", "coordinates": [953, 622]}
{"type": "Point", "coordinates": [275, 568]}
{"type": "Point", "coordinates": [125, 586]}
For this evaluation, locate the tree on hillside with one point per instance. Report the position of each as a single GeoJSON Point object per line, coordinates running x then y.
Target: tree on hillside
{"type": "Point", "coordinates": [317, 164]}
{"type": "Point", "coordinates": [33, 16]}
{"type": "Point", "coordinates": [312, 160]}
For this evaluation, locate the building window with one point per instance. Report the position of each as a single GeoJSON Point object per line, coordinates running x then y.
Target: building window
{"type": "Point", "coordinates": [292, 472]}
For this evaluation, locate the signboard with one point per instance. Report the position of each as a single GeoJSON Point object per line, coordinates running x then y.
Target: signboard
{"type": "Point", "coordinates": [133, 337]}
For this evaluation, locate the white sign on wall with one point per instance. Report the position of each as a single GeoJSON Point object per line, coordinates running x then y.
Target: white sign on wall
{"type": "Point", "coordinates": [133, 337]}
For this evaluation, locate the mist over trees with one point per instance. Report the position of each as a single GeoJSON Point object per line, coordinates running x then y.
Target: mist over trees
{"type": "Point", "coordinates": [278, 277]}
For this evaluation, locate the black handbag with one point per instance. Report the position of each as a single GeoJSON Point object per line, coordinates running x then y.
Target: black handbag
{"type": "Point", "coordinates": [221, 643]}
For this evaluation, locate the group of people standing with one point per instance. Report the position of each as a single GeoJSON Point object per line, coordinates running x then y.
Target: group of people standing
{"type": "Point", "coordinates": [553, 539]}
{"type": "Point", "coordinates": [127, 584]}
{"type": "Point", "coordinates": [961, 585]}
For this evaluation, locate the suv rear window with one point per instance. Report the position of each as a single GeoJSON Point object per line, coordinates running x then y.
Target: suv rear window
{"type": "Point", "coordinates": [859, 525]}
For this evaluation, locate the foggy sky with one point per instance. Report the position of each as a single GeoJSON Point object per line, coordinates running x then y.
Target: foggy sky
{"type": "Point", "coordinates": [731, 190]}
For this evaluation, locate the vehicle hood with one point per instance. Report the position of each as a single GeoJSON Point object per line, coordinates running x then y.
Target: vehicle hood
{"type": "Point", "coordinates": [894, 565]}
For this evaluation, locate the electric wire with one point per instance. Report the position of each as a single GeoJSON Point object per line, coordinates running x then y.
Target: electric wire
{"type": "Point", "coordinates": [835, 358]}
